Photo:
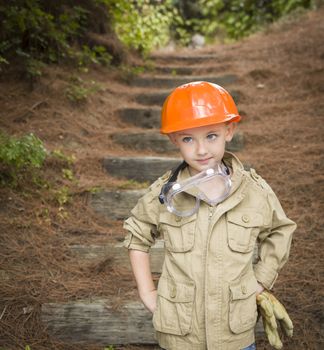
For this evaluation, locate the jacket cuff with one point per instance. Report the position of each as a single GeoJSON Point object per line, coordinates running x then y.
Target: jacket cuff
{"type": "Point", "coordinates": [132, 242]}
{"type": "Point", "coordinates": [265, 275]}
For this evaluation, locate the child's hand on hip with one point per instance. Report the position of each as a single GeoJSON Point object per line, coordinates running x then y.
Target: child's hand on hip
{"type": "Point", "coordinates": [149, 299]}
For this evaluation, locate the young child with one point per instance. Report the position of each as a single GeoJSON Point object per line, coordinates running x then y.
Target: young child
{"type": "Point", "coordinates": [211, 213]}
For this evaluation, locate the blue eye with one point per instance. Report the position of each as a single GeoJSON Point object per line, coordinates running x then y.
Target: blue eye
{"type": "Point", "coordinates": [187, 139]}
{"type": "Point", "coordinates": [212, 137]}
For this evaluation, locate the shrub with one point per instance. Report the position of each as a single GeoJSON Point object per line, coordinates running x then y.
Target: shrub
{"type": "Point", "coordinates": [237, 18]}
{"type": "Point", "coordinates": [79, 90]}
{"type": "Point", "coordinates": [40, 32]}
{"type": "Point", "coordinates": [37, 32]}
{"type": "Point", "coordinates": [18, 155]}
{"type": "Point", "coordinates": [143, 24]}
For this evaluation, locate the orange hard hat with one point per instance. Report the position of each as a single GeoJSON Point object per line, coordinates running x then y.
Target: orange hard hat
{"type": "Point", "coordinates": [197, 104]}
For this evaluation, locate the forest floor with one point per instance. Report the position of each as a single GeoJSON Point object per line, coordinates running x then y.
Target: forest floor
{"type": "Point", "coordinates": [281, 84]}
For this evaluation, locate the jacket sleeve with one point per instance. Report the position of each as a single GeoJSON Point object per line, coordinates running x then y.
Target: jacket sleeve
{"type": "Point", "coordinates": [142, 224]}
{"type": "Point", "coordinates": [275, 243]}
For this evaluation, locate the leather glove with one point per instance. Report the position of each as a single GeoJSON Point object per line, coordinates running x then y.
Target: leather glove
{"type": "Point", "coordinates": [272, 311]}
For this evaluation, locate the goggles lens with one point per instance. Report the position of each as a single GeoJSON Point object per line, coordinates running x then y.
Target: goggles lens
{"type": "Point", "coordinates": [212, 185]}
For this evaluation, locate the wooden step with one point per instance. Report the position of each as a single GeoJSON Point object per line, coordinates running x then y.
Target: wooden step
{"type": "Point", "coordinates": [191, 70]}
{"type": "Point", "coordinates": [141, 117]}
{"type": "Point", "coordinates": [99, 321]}
{"type": "Point", "coordinates": [174, 81]}
{"type": "Point", "coordinates": [150, 140]}
{"type": "Point", "coordinates": [157, 98]}
{"type": "Point", "coordinates": [185, 58]}
{"type": "Point", "coordinates": [139, 168]}
{"type": "Point", "coordinates": [176, 70]}
{"type": "Point", "coordinates": [153, 140]}
{"type": "Point", "coordinates": [118, 254]}
{"type": "Point", "coordinates": [115, 205]}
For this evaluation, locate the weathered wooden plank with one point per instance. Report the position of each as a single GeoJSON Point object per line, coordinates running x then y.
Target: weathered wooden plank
{"type": "Point", "coordinates": [150, 140]}
{"type": "Point", "coordinates": [139, 168]}
{"type": "Point", "coordinates": [153, 140]}
{"type": "Point", "coordinates": [115, 205]}
{"type": "Point", "coordinates": [192, 70]}
{"type": "Point", "coordinates": [98, 322]}
{"type": "Point", "coordinates": [152, 98]}
{"type": "Point", "coordinates": [174, 81]}
{"type": "Point", "coordinates": [119, 254]}
{"type": "Point", "coordinates": [158, 97]}
{"type": "Point", "coordinates": [178, 70]}
{"type": "Point", "coordinates": [185, 58]}
{"type": "Point", "coordinates": [141, 117]}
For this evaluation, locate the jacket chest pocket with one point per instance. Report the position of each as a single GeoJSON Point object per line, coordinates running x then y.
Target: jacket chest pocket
{"type": "Point", "coordinates": [174, 310]}
{"type": "Point", "coordinates": [178, 232]}
{"type": "Point", "coordinates": [243, 308]}
{"type": "Point", "coordinates": [243, 229]}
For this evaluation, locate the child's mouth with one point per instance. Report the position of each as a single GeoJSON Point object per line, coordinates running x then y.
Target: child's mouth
{"type": "Point", "coordinates": [203, 161]}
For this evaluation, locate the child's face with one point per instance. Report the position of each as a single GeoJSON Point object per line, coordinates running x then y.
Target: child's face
{"type": "Point", "coordinates": [203, 147]}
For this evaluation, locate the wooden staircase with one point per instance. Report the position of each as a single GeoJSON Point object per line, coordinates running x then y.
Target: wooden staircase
{"type": "Point", "coordinates": [99, 321]}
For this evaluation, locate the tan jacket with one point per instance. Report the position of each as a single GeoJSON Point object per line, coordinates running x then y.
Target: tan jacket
{"type": "Point", "coordinates": [207, 290]}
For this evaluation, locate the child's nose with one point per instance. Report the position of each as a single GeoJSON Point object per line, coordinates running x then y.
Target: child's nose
{"type": "Point", "coordinates": [201, 148]}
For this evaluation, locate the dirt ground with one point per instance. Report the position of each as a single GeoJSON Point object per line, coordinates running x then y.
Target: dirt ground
{"type": "Point", "coordinates": [281, 81]}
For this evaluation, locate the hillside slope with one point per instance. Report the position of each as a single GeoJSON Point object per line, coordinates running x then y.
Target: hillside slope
{"type": "Point", "coordinates": [280, 83]}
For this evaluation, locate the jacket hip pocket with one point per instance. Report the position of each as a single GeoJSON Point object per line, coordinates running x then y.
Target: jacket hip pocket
{"type": "Point", "coordinates": [243, 307]}
{"type": "Point", "coordinates": [243, 229]}
{"type": "Point", "coordinates": [174, 310]}
{"type": "Point", "coordinates": [178, 232]}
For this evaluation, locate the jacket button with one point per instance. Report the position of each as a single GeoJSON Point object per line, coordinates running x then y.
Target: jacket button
{"type": "Point", "coordinates": [243, 289]}
{"type": "Point", "coordinates": [173, 291]}
{"type": "Point", "coordinates": [245, 218]}
{"type": "Point", "coordinates": [178, 219]}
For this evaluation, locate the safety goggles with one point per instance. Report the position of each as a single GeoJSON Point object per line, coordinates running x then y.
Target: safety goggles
{"type": "Point", "coordinates": [212, 186]}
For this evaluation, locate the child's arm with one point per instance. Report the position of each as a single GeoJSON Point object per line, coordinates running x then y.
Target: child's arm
{"type": "Point", "coordinates": [140, 262]}
{"type": "Point", "coordinates": [275, 244]}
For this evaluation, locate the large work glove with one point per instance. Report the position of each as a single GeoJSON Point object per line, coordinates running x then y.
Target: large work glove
{"type": "Point", "coordinates": [272, 311]}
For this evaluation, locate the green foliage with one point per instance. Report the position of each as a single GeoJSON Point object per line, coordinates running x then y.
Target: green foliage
{"type": "Point", "coordinates": [37, 33]}
{"type": "Point", "coordinates": [61, 191]}
{"type": "Point", "coordinates": [128, 72]}
{"type": "Point", "coordinates": [147, 24]}
{"type": "Point", "coordinates": [34, 68]}
{"type": "Point", "coordinates": [62, 196]}
{"type": "Point", "coordinates": [237, 18]}
{"type": "Point", "coordinates": [58, 154]}
{"type": "Point", "coordinates": [86, 56]}
{"type": "Point", "coordinates": [3, 62]}
{"type": "Point", "coordinates": [142, 24]}
{"type": "Point", "coordinates": [201, 17]}
{"type": "Point", "coordinates": [18, 155]}
{"type": "Point", "coordinates": [245, 17]}
{"type": "Point", "coordinates": [79, 90]}
{"type": "Point", "coordinates": [68, 174]}
{"type": "Point", "coordinates": [27, 151]}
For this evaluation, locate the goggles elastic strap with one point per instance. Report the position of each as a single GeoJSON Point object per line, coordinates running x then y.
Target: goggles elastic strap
{"type": "Point", "coordinates": [172, 178]}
